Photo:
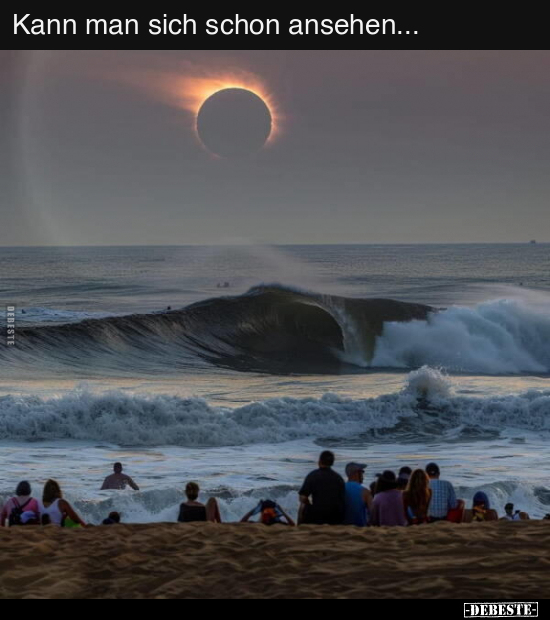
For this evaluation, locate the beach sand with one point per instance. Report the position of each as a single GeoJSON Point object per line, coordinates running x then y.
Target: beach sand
{"type": "Point", "coordinates": [481, 561]}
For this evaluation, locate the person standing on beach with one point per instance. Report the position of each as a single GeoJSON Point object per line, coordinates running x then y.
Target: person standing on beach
{"type": "Point", "coordinates": [118, 481]}
{"type": "Point", "coordinates": [358, 499]}
{"type": "Point", "coordinates": [443, 495]}
{"type": "Point", "coordinates": [323, 495]}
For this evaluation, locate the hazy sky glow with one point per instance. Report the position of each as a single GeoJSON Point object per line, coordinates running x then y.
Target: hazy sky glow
{"type": "Point", "coordinates": [369, 147]}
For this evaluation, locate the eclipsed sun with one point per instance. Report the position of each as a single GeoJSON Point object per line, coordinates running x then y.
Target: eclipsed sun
{"type": "Point", "coordinates": [232, 112]}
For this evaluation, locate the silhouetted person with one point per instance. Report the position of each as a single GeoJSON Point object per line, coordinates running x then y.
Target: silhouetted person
{"type": "Point", "coordinates": [403, 478]}
{"type": "Point", "coordinates": [323, 495]}
{"type": "Point", "coordinates": [193, 511]}
{"type": "Point", "coordinates": [118, 481]}
{"type": "Point", "coordinates": [112, 519]}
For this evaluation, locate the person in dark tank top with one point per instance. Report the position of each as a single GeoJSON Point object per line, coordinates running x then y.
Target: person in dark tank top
{"type": "Point", "coordinates": [193, 511]}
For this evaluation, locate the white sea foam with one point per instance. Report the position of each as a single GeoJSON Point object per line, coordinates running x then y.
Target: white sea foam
{"type": "Point", "coordinates": [156, 420]}
{"type": "Point", "coordinates": [499, 337]}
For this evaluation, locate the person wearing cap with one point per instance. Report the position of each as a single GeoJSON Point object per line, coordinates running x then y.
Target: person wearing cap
{"type": "Point", "coordinates": [323, 495]}
{"type": "Point", "coordinates": [358, 499]}
{"type": "Point", "coordinates": [443, 495]}
{"type": "Point", "coordinates": [118, 481]}
{"type": "Point", "coordinates": [387, 505]}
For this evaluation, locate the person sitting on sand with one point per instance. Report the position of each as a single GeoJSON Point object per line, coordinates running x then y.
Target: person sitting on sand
{"type": "Point", "coordinates": [118, 481]}
{"type": "Point", "coordinates": [358, 499]}
{"type": "Point", "coordinates": [514, 515]}
{"type": "Point", "coordinates": [416, 497]}
{"type": "Point", "coordinates": [270, 514]}
{"type": "Point", "coordinates": [323, 495]}
{"type": "Point", "coordinates": [403, 478]}
{"type": "Point", "coordinates": [21, 509]}
{"type": "Point", "coordinates": [192, 511]}
{"type": "Point", "coordinates": [481, 510]}
{"type": "Point", "coordinates": [55, 510]}
{"type": "Point", "coordinates": [387, 505]}
{"type": "Point", "coordinates": [443, 495]}
{"type": "Point", "coordinates": [112, 519]}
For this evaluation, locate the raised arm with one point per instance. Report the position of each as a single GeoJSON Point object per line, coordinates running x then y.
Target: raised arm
{"type": "Point", "coordinates": [290, 521]}
{"type": "Point", "coordinates": [247, 516]}
{"type": "Point", "coordinates": [255, 511]}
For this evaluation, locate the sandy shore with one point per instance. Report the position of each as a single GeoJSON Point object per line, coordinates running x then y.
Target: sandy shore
{"type": "Point", "coordinates": [482, 561]}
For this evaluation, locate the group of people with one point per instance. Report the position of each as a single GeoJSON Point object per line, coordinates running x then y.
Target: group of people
{"type": "Point", "coordinates": [23, 509]}
{"type": "Point", "coordinates": [408, 498]}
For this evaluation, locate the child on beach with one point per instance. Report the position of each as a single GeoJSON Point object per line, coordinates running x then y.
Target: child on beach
{"type": "Point", "coordinates": [270, 514]}
{"type": "Point", "coordinates": [193, 511]}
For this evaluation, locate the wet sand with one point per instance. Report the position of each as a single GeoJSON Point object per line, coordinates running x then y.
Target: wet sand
{"type": "Point", "coordinates": [482, 561]}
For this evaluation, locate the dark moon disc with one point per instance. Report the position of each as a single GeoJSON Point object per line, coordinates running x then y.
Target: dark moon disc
{"type": "Point", "coordinates": [234, 122]}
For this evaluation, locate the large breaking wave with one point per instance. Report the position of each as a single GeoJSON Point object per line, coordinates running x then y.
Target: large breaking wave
{"type": "Point", "coordinates": [269, 329]}
{"type": "Point", "coordinates": [278, 330]}
{"type": "Point", "coordinates": [425, 408]}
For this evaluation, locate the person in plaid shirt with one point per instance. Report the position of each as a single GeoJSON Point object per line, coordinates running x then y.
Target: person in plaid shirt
{"type": "Point", "coordinates": [443, 495]}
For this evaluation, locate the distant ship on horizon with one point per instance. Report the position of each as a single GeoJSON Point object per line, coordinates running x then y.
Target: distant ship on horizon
{"type": "Point", "coordinates": [533, 242]}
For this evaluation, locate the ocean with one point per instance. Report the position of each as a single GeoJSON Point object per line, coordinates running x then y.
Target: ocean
{"type": "Point", "coordinates": [235, 366]}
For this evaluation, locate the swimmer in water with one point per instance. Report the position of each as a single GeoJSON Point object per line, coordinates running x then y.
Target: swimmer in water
{"type": "Point", "coordinates": [118, 481]}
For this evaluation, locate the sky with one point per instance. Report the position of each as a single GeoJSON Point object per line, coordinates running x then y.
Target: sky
{"type": "Point", "coordinates": [369, 146]}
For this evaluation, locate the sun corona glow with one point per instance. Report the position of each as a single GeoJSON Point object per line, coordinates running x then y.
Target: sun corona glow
{"type": "Point", "coordinates": [189, 92]}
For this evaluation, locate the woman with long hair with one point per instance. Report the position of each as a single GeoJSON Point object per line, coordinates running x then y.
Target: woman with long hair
{"type": "Point", "coordinates": [55, 510]}
{"type": "Point", "coordinates": [417, 497]}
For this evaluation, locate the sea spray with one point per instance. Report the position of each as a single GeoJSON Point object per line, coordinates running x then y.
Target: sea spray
{"type": "Point", "coordinates": [119, 418]}
{"type": "Point", "coordinates": [428, 384]}
{"type": "Point", "coordinates": [495, 338]}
